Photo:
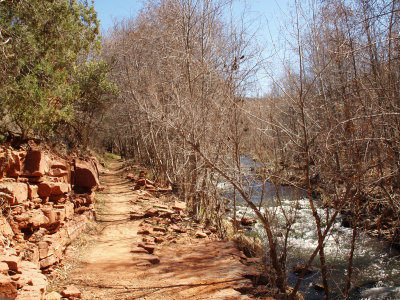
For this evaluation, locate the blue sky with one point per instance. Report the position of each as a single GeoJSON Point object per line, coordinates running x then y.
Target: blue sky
{"type": "Point", "coordinates": [108, 10]}
{"type": "Point", "coordinates": [115, 9]}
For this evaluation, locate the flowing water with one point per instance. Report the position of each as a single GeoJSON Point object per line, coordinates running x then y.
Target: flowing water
{"type": "Point", "coordinates": [376, 263]}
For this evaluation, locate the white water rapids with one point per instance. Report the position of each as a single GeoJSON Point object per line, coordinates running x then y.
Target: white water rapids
{"type": "Point", "coordinates": [376, 263]}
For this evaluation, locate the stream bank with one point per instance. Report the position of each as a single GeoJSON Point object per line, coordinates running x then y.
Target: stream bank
{"type": "Point", "coordinates": [376, 263]}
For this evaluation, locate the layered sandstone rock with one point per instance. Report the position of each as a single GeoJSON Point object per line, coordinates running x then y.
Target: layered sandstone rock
{"type": "Point", "coordinates": [86, 175]}
{"type": "Point", "coordinates": [40, 215]}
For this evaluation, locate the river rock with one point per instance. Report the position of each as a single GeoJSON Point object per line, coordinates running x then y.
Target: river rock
{"type": "Point", "coordinates": [298, 269]}
{"type": "Point", "coordinates": [248, 221]}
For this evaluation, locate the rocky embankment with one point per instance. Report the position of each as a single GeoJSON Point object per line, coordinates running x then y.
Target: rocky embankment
{"type": "Point", "coordinates": [46, 201]}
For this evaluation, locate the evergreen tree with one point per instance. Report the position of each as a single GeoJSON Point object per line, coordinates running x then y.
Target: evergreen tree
{"type": "Point", "coordinates": [41, 44]}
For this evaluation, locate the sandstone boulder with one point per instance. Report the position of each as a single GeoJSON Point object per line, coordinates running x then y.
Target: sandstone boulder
{"type": "Point", "coordinates": [12, 261]}
{"type": "Point", "coordinates": [8, 289]}
{"type": "Point", "coordinates": [14, 192]}
{"type": "Point", "coordinates": [60, 171]}
{"type": "Point", "coordinates": [149, 247]}
{"type": "Point", "coordinates": [32, 191]}
{"type": "Point", "coordinates": [29, 292]}
{"type": "Point", "coordinates": [85, 176]}
{"type": "Point", "coordinates": [151, 212]}
{"type": "Point", "coordinates": [49, 212]}
{"type": "Point", "coordinates": [59, 164]}
{"type": "Point", "coordinates": [5, 228]}
{"type": "Point", "coordinates": [69, 210]}
{"type": "Point", "coordinates": [38, 218]}
{"type": "Point", "coordinates": [14, 164]}
{"type": "Point", "coordinates": [36, 164]}
{"type": "Point", "coordinates": [46, 189]}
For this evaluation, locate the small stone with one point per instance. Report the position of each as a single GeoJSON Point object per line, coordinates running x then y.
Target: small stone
{"type": "Point", "coordinates": [151, 212]}
{"type": "Point", "coordinates": [248, 221]}
{"type": "Point", "coordinates": [148, 247]}
{"type": "Point", "coordinates": [179, 205]}
{"type": "Point", "coordinates": [161, 229]}
{"type": "Point", "coordinates": [53, 296]}
{"type": "Point", "coordinates": [177, 229]}
{"type": "Point", "coordinates": [71, 291]}
{"type": "Point", "coordinates": [212, 229]}
{"type": "Point", "coordinates": [158, 239]}
{"type": "Point", "coordinates": [200, 235]}
{"type": "Point", "coordinates": [144, 231]}
{"type": "Point", "coordinates": [136, 216]}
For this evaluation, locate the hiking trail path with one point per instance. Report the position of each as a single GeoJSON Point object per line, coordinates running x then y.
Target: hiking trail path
{"type": "Point", "coordinates": [118, 263]}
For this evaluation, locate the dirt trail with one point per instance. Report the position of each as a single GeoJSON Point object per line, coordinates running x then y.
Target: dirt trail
{"type": "Point", "coordinates": [188, 268]}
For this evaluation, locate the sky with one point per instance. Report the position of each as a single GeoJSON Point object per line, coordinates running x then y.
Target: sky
{"type": "Point", "coordinates": [109, 10]}
{"type": "Point", "coordinates": [257, 10]}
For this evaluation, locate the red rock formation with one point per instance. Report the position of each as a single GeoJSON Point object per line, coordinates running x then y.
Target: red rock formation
{"type": "Point", "coordinates": [42, 215]}
{"type": "Point", "coordinates": [85, 175]}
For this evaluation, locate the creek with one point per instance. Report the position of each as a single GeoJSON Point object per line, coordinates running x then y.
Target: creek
{"type": "Point", "coordinates": [376, 263]}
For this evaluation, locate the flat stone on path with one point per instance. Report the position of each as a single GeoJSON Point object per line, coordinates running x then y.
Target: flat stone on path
{"type": "Point", "coordinates": [148, 247]}
{"type": "Point", "coordinates": [177, 229]}
{"type": "Point", "coordinates": [71, 291]}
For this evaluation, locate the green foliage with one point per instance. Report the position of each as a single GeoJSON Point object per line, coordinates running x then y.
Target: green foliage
{"type": "Point", "coordinates": [96, 93]}
{"type": "Point", "coordinates": [41, 43]}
